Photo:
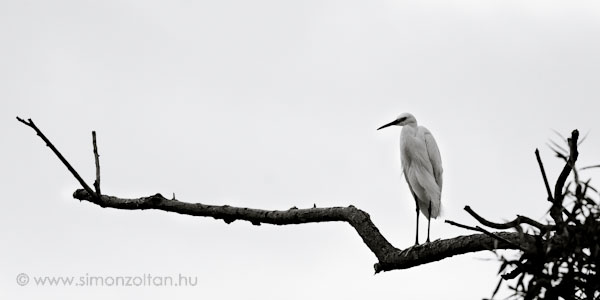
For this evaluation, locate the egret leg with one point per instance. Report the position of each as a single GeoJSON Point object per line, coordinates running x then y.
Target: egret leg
{"type": "Point", "coordinates": [417, 235]}
{"type": "Point", "coordinates": [428, 220]}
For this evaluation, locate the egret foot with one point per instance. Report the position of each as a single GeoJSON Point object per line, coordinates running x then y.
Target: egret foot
{"type": "Point", "coordinates": [406, 251]}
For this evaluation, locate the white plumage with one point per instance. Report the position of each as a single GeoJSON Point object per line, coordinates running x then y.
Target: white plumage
{"type": "Point", "coordinates": [422, 167]}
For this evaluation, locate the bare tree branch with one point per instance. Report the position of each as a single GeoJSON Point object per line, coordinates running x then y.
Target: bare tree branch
{"type": "Point", "coordinates": [539, 160]}
{"type": "Point", "coordinates": [390, 258]}
{"type": "Point", "coordinates": [590, 167]}
{"type": "Point", "coordinates": [461, 225]}
{"type": "Point", "coordinates": [508, 225]}
{"type": "Point", "coordinates": [359, 219]}
{"type": "Point", "coordinates": [492, 235]}
{"type": "Point", "coordinates": [441, 249]}
{"type": "Point", "coordinates": [557, 208]}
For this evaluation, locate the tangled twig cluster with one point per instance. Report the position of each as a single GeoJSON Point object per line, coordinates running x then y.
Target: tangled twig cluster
{"type": "Point", "coordinates": [563, 261]}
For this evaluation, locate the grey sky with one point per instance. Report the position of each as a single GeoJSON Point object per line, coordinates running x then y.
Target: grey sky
{"type": "Point", "coordinates": [274, 104]}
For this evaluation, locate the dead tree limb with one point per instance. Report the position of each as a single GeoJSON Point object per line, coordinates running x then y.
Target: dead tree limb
{"type": "Point", "coordinates": [357, 218]}
{"type": "Point", "coordinates": [389, 257]}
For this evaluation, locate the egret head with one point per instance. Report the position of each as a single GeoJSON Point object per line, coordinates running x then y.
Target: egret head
{"type": "Point", "coordinates": [403, 119]}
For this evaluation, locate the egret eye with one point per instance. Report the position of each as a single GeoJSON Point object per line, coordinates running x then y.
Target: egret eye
{"type": "Point", "coordinates": [402, 119]}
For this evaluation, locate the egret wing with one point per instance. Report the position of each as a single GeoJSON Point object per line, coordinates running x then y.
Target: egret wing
{"type": "Point", "coordinates": [434, 157]}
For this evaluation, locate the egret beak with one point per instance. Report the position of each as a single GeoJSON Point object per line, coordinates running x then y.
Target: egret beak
{"type": "Point", "coordinates": [389, 124]}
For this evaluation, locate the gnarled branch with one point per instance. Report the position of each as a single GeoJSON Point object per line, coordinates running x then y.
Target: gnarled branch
{"type": "Point", "coordinates": [508, 225]}
{"type": "Point", "coordinates": [389, 257]}
{"type": "Point", "coordinates": [357, 218]}
{"type": "Point", "coordinates": [556, 210]}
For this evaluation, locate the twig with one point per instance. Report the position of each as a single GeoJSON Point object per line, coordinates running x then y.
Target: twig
{"type": "Point", "coordinates": [539, 160]}
{"type": "Point", "coordinates": [583, 138]}
{"type": "Point", "coordinates": [516, 246]}
{"type": "Point", "coordinates": [512, 274]}
{"type": "Point", "coordinates": [590, 167]}
{"type": "Point", "coordinates": [512, 224]}
{"type": "Point", "coordinates": [87, 188]}
{"type": "Point", "coordinates": [97, 159]}
{"type": "Point", "coordinates": [493, 235]}
{"type": "Point", "coordinates": [461, 225]}
{"type": "Point", "coordinates": [559, 147]}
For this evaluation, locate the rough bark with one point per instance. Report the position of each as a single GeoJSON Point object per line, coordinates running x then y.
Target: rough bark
{"type": "Point", "coordinates": [389, 257]}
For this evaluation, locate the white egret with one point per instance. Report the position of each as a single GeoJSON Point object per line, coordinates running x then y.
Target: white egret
{"type": "Point", "coordinates": [422, 167]}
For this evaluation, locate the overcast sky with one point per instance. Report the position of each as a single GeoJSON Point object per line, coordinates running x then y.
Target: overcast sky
{"type": "Point", "coordinates": [274, 104]}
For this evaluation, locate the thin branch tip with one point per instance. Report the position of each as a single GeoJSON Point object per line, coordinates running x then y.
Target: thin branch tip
{"type": "Point", "coordinates": [97, 161]}
{"type": "Point", "coordinates": [543, 171]}
{"type": "Point", "coordinates": [28, 122]}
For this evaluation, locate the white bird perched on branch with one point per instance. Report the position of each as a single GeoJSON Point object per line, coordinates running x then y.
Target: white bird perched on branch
{"type": "Point", "coordinates": [422, 167]}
